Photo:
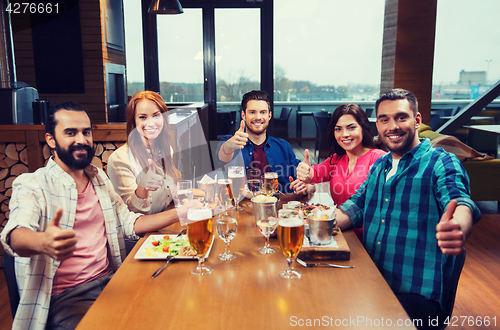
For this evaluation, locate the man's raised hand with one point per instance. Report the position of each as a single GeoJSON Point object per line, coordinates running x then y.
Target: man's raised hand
{"type": "Point", "coordinates": [449, 234]}
{"type": "Point", "coordinates": [58, 243]}
{"type": "Point", "coordinates": [237, 141]}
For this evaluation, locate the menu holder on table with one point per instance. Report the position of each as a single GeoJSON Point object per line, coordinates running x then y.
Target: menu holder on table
{"type": "Point", "coordinates": [339, 252]}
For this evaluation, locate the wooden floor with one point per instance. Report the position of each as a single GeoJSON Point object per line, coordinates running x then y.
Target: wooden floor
{"type": "Point", "coordinates": [478, 295]}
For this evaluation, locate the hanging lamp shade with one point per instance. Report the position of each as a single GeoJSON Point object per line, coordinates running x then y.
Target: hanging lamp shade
{"type": "Point", "coordinates": [165, 7]}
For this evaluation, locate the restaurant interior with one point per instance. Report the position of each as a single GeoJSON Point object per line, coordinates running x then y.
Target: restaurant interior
{"type": "Point", "coordinates": [88, 64]}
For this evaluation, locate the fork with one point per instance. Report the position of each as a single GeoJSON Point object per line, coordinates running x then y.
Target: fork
{"type": "Point", "coordinates": [303, 263]}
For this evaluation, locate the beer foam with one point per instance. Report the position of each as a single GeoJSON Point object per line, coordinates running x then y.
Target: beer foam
{"type": "Point", "coordinates": [270, 175]}
{"type": "Point", "coordinates": [199, 213]}
{"type": "Point", "coordinates": [291, 222]}
{"type": "Point", "coordinates": [237, 175]}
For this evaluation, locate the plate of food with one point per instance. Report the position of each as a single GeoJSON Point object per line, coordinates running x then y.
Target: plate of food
{"type": "Point", "coordinates": [157, 247]}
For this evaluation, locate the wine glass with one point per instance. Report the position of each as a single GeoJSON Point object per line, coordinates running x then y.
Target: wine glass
{"type": "Point", "coordinates": [270, 183]}
{"type": "Point", "coordinates": [225, 193]}
{"type": "Point", "coordinates": [184, 192]}
{"type": "Point", "coordinates": [200, 234]}
{"type": "Point", "coordinates": [254, 181]}
{"type": "Point", "coordinates": [290, 237]}
{"type": "Point", "coordinates": [266, 221]}
{"type": "Point", "coordinates": [237, 175]}
{"type": "Point", "coordinates": [226, 229]}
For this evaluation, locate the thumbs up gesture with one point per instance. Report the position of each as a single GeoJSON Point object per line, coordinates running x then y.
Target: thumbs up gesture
{"type": "Point", "coordinates": [151, 181]}
{"type": "Point", "coordinates": [58, 243]}
{"type": "Point", "coordinates": [304, 170]}
{"type": "Point", "coordinates": [449, 234]}
{"type": "Point", "coordinates": [238, 140]}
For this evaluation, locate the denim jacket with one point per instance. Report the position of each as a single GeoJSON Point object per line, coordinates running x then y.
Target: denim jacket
{"type": "Point", "coordinates": [279, 155]}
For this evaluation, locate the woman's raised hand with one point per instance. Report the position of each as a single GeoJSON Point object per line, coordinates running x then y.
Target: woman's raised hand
{"type": "Point", "coordinates": [151, 181]}
{"type": "Point", "coordinates": [304, 170]}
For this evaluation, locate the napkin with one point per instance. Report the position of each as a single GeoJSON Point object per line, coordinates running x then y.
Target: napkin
{"type": "Point", "coordinates": [207, 179]}
{"type": "Point", "coordinates": [325, 214]}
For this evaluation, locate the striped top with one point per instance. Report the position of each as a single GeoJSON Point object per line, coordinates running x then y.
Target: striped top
{"type": "Point", "coordinates": [35, 199]}
{"type": "Point", "coordinates": [400, 217]}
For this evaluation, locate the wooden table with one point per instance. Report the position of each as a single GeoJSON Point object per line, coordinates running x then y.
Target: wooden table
{"type": "Point", "coordinates": [494, 129]}
{"type": "Point", "coordinates": [246, 293]}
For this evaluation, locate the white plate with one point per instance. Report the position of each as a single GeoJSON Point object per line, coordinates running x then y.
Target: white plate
{"type": "Point", "coordinates": [146, 252]}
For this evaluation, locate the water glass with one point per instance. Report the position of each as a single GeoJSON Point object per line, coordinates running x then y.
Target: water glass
{"type": "Point", "coordinates": [226, 229]}
{"type": "Point", "coordinates": [184, 192]}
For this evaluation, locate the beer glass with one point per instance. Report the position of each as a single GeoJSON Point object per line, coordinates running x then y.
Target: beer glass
{"type": "Point", "coordinates": [226, 229]}
{"type": "Point", "coordinates": [225, 193]}
{"type": "Point", "coordinates": [200, 234]}
{"type": "Point", "coordinates": [184, 192]}
{"type": "Point", "coordinates": [253, 181]}
{"type": "Point", "coordinates": [237, 176]}
{"type": "Point", "coordinates": [270, 183]}
{"type": "Point", "coordinates": [290, 237]}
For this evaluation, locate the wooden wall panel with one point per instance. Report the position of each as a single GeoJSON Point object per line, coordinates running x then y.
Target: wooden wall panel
{"type": "Point", "coordinates": [408, 49]}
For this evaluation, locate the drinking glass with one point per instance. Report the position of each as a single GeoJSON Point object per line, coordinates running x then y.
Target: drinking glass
{"type": "Point", "coordinates": [225, 193]}
{"type": "Point", "coordinates": [237, 175]}
{"type": "Point", "coordinates": [226, 229]}
{"type": "Point", "coordinates": [266, 221]}
{"type": "Point", "coordinates": [254, 181]}
{"type": "Point", "coordinates": [290, 237]}
{"type": "Point", "coordinates": [184, 192]}
{"type": "Point", "coordinates": [270, 183]}
{"type": "Point", "coordinates": [200, 234]}
{"type": "Point", "coordinates": [209, 189]}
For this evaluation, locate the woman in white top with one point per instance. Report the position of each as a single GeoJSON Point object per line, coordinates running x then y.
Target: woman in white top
{"type": "Point", "coordinates": [142, 170]}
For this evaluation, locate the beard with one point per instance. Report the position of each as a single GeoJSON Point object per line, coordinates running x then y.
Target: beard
{"type": "Point", "coordinates": [66, 156]}
{"type": "Point", "coordinates": [262, 131]}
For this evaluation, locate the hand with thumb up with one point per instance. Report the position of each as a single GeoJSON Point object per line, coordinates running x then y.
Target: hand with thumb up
{"type": "Point", "coordinates": [58, 243]}
{"type": "Point", "coordinates": [151, 181]}
{"type": "Point", "coordinates": [237, 141]}
{"type": "Point", "coordinates": [449, 234]}
{"type": "Point", "coordinates": [304, 170]}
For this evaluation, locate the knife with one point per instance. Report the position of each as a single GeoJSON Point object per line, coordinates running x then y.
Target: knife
{"type": "Point", "coordinates": [168, 258]}
{"type": "Point", "coordinates": [162, 267]}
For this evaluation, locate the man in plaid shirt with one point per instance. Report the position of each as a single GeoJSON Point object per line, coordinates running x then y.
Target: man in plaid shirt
{"type": "Point", "coordinates": [416, 209]}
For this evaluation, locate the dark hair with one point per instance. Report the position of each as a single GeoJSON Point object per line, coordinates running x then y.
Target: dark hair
{"type": "Point", "coordinates": [399, 94]}
{"type": "Point", "coordinates": [255, 95]}
{"type": "Point", "coordinates": [51, 124]}
{"type": "Point", "coordinates": [360, 116]}
{"type": "Point", "coordinates": [162, 149]}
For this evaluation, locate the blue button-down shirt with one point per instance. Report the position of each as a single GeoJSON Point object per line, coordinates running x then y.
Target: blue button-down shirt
{"type": "Point", "coordinates": [279, 155]}
{"type": "Point", "coordinates": [400, 217]}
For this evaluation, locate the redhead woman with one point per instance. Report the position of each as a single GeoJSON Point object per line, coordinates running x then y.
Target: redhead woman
{"type": "Point", "coordinates": [142, 170]}
{"type": "Point", "coordinates": [352, 153]}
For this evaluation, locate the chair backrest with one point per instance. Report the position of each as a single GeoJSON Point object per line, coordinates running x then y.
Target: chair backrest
{"type": "Point", "coordinates": [10, 277]}
{"type": "Point", "coordinates": [450, 300]}
{"type": "Point", "coordinates": [285, 113]}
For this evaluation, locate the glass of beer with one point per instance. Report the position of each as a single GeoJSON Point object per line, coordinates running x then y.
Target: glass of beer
{"type": "Point", "coordinates": [290, 237]}
{"type": "Point", "coordinates": [270, 183]}
{"type": "Point", "coordinates": [226, 229]}
{"type": "Point", "coordinates": [253, 181]}
{"type": "Point", "coordinates": [225, 193]}
{"type": "Point", "coordinates": [184, 192]}
{"type": "Point", "coordinates": [237, 175]}
{"type": "Point", "coordinates": [200, 234]}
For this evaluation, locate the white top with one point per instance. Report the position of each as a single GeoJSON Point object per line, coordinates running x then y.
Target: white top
{"type": "Point", "coordinates": [125, 172]}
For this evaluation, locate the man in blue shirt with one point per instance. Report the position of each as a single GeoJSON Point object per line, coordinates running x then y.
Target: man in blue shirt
{"type": "Point", "coordinates": [407, 232]}
{"type": "Point", "coordinates": [259, 150]}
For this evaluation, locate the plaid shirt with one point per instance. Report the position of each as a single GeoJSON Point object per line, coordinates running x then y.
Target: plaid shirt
{"type": "Point", "coordinates": [35, 199]}
{"type": "Point", "coordinates": [400, 218]}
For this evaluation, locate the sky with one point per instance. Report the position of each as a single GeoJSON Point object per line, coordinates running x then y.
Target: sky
{"type": "Point", "coordinates": [327, 42]}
